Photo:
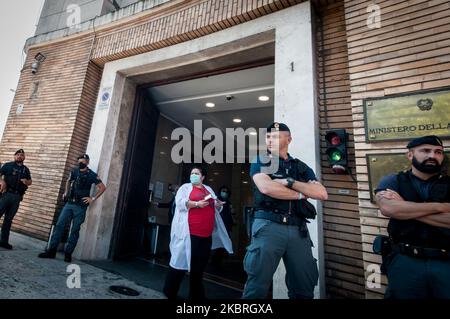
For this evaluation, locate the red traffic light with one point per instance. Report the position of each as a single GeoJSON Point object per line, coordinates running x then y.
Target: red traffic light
{"type": "Point", "coordinates": [333, 138]}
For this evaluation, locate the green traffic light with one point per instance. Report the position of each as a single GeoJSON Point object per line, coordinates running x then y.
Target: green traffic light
{"type": "Point", "coordinates": [336, 156]}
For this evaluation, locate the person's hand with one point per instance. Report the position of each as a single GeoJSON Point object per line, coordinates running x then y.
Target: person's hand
{"type": "Point", "coordinates": [24, 181]}
{"type": "Point", "coordinates": [390, 194]}
{"type": "Point", "coordinates": [2, 186]}
{"type": "Point", "coordinates": [282, 181]}
{"type": "Point", "coordinates": [219, 203]}
{"type": "Point", "coordinates": [87, 200]}
{"type": "Point", "coordinates": [445, 207]}
{"type": "Point", "coordinates": [202, 203]}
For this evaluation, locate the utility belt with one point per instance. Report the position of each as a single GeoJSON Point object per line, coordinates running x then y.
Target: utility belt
{"type": "Point", "coordinates": [14, 191]}
{"type": "Point", "coordinates": [279, 217]}
{"type": "Point", "coordinates": [383, 245]}
{"type": "Point", "coordinates": [76, 201]}
{"type": "Point", "coordinates": [421, 252]}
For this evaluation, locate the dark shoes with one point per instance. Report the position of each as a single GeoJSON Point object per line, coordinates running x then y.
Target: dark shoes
{"type": "Point", "coordinates": [68, 258]}
{"type": "Point", "coordinates": [6, 246]}
{"type": "Point", "coordinates": [51, 254]}
{"type": "Point", "coordinates": [48, 254]}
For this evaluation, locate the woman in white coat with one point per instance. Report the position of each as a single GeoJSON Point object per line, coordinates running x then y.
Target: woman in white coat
{"type": "Point", "coordinates": [196, 229]}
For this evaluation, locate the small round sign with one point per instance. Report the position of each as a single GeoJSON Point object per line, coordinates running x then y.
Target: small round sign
{"type": "Point", "coordinates": [105, 97]}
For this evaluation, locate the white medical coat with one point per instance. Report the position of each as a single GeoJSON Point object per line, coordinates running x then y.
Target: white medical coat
{"type": "Point", "coordinates": [180, 239]}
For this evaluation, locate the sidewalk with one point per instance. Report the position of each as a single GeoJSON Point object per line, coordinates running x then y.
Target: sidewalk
{"type": "Point", "coordinates": [24, 276]}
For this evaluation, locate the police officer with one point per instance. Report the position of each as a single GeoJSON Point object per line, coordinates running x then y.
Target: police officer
{"type": "Point", "coordinates": [15, 182]}
{"type": "Point", "coordinates": [279, 227]}
{"type": "Point", "coordinates": [77, 194]}
{"type": "Point", "coordinates": [417, 260]}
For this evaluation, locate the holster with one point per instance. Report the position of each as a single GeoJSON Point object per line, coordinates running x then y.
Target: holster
{"type": "Point", "coordinates": [382, 245]}
{"type": "Point", "coordinates": [310, 211]}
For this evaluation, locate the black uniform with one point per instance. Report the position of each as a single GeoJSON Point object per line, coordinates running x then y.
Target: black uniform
{"type": "Point", "coordinates": [15, 189]}
{"type": "Point", "coordinates": [279, 231]}
{"type": "Point", "coordinates": [417, 262]}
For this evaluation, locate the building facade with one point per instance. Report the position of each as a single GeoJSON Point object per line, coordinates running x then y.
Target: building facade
{"type": "Point", "coordinates": [325, 58]}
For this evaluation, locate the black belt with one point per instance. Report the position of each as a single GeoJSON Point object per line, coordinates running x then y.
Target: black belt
{"type": "Point", "coordinates": [281, 218]}
{"type": "Point", "coordinates": [78, 202]}
{"type": "Point", "coordinates": [13, 191]}
{"type": "Point", "coordinates": [421, 252]}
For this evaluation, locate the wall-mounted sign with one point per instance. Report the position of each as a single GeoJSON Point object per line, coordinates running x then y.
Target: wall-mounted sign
{"type": "Point", "coordinates": [105, 98]}
{"type": "Point", "coordinates": [407, 116]}
{"type": "Point", "coordinates": [380, 165]}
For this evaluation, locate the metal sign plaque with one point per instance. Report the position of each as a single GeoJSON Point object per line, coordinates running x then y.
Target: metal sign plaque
{"type": "Point", "coordinates": [380, 165]}
{"type": "Point", "coordinates": [407, 116]}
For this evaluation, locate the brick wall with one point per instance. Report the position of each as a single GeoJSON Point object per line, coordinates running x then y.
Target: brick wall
{"type": "Point", "coordinates": [410, 52]}
{"type": "Point", "coordinates": [53, 129]}
{"type": "Point", "coordinates": [342, 233]}
{"type": "Point", "coordinates": [178, 23]}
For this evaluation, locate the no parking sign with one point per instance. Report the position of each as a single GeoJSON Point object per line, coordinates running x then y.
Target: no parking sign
{"type": "Point", "coordinates": [105, 98]}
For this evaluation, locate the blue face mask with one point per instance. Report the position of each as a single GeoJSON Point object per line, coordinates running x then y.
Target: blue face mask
{"type": "Point", "coordinates": [224, 195]}
{"type": "Point", "coordinates": [195, 179]}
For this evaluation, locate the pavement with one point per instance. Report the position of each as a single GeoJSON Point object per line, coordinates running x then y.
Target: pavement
{"type": "Point", "coordinates": [25, 276]}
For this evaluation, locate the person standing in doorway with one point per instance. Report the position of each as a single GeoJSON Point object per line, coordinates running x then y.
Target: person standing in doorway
{"type": "Point", "coordinates": [77, 194]}
{"type": "Point", "coordinates": [227, 217]}
{"type": "Point", "coordinates": [171, 204]}
{"type": "Point", "coordinates": [15, 178]}
{"type": "Point", "coordinates": [196, 229]}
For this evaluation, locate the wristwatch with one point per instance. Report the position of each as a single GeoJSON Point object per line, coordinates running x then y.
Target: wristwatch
{"type": "Point", "coordinates": [290, 182]}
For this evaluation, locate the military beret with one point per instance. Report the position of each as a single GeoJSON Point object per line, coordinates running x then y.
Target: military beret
{"type": "Point", "coordinates": [278, 127]}
{"type": "Point", "coordinates": [429, 139]}
{"type": "Point", "coordinates": [84, 156]}
{"type": "Point", "coordinates": [21, 151]}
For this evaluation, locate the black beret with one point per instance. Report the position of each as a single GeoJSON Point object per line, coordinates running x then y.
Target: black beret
{"type": "Point", "coordinates": [21, 151]}
{"type": "Point", "coordinates": [278, 127]}
{"type": "Point", "coordinates": [429, 139]}
{"type": "Point", "coordinates": [84, 156]}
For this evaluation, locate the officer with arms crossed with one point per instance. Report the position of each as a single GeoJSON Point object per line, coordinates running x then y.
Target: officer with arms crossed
{"type": "Point", "coordinates": [279, 228]}
{"type": "Point", "coordinates": [416, 256]}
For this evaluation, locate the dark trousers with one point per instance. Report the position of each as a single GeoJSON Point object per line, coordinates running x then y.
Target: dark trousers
{"type": "Point", "coordinates": [74, 214]}
{"type": "Point", "coordinates": [415, 278]}
{"type": "Point", "coordinates": [200, 251]}
{"type": "Point", "coordinates": [9, 204]}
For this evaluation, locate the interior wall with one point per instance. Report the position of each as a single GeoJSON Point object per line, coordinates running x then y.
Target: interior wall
{"type": "Point", "coordinates": [164, 171]}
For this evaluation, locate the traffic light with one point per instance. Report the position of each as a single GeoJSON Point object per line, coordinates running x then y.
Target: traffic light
{"type": "Point", "coordinates": [337, 150]}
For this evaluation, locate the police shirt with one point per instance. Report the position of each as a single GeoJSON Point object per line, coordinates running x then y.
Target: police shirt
{"type": "Point", "coordinates": [81, 183]}
{"type": "Point", "coordinates": [283, 169]}
{"type": "Point", "coordinates": [286, 168]}
{"type": "Point", "coordinates": [13, 174]}
{"type": "Point", "coordinates": [421, 186]}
